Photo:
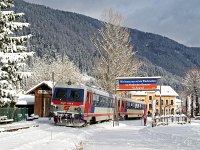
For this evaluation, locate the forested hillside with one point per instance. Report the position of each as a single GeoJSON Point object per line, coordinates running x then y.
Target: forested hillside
{"type": "Point", "coordinates": [66, 33]}
{"type": "Point", "coordinates": [166, 53]}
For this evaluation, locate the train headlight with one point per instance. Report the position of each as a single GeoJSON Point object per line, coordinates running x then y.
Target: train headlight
{"type": "Point", "coordinates": [79, 109]}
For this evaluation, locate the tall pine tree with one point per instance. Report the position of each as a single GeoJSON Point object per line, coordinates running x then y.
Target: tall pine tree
{"type": "Point", "coordinates": [13, 53]}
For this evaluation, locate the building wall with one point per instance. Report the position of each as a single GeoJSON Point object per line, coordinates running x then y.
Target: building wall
{"type": "Point", "coordinates": [148, 98]}
{"type": "Point", "coordinates": [168, 105]}
{"type": "Point", "coordinates": [42, 101]}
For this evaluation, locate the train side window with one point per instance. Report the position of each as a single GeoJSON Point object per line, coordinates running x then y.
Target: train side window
{"type": "Point", "coordinates": [136, 106]}
{"type": "Point", "coordinates": [95, 99]}
{"type": "Point", "coordinates": [106, 102]}
{"type": "Point", "coordinates": [128, 105]}
{"type": "Point", "coordinates": [143, 106]}
{"type": "Point", "coordinates": [103, 102]}
{"type": "Point", "coordinates": [131, 105]}
{"type": "Point", "coordinates": [100, 101]}
{"type": "Point", "coordinates": [110, 102]}
{"type": "Point", "coordinates": [114, 102]}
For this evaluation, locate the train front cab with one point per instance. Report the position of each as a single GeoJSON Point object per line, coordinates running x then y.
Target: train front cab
{"type": "Point", "coordinates": [68, 106]}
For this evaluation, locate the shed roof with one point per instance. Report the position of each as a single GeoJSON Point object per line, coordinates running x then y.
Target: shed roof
{"type": "Point", "coordinates": [47, 83]}
{"type": "Point", "coordinates": [26, 100]}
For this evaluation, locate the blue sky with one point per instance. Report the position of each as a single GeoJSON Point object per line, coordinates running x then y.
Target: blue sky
{"type": "Point", "coordinates": [176, 19]}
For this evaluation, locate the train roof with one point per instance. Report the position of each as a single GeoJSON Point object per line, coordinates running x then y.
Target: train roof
{"type": "Point", "coordinates": [68, 84]}
{"type": "Point", "coordinates": [95, 89]}
{"type": "Point", "coordinates": [134, 100]}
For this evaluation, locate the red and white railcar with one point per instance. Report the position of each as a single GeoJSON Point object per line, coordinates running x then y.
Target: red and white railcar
{"type": "Point", "coordinates": [77, 105]}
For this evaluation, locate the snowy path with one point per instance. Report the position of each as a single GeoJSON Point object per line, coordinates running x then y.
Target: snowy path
{"type": "Point", "coordinates": [46, 136]}
{"type": "Point", "coordinates": [131, 135]}
{"type": "Point", "coordinates": [128, 136]}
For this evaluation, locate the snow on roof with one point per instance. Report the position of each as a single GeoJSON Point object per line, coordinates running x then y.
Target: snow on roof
{"type": "Point", "coordinates": [178, 100]}
{"type": "Point", "coordinates": [26, 100]}
{"type": "Point", "coordinates": [166, 91]}
{"type": "Point", "coordinates": [124, 78]}
{"type": "Point", "coordinates": [138, 92]}
{"type": "Point", "coordinates": [48, 83]}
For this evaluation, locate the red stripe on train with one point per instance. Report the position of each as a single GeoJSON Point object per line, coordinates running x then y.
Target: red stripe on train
{"type": "Point", "coordinates": [58, 102]}
{"type": "Point", "coordinates": [97, 115]}
{"type": "Point", "coordinates": [108, 114]}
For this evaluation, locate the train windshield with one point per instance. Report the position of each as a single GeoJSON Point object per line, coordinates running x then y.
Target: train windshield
{"type": "Point", "coordinates": [68, 94]}
{"type": "Point", "coordinates": [60, 94]}
{"type": "Point", "coordinates": [75, 95]}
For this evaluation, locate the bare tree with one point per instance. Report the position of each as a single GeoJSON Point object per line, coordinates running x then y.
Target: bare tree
{"type": "Point", "coordinates": [116, 53]}
{"type": "Point", "coordinates": [192, 79]}
{"type": "Point", "coordinates": [64, 70]}
{"type": "Point", "coordinates": [192, 87]}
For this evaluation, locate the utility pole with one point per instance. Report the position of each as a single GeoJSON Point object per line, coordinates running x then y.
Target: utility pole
{"type": "Point", "coordinates": [197, 103]}
{"type": "Point", "coordinates": [181, 106]}
{"type": "Point", "coordinates": [160, 102]}
{"type": "Point", "coordinates": [186, 106]}
{"type": "Point", "coordinates": [115, 111]}
{"type": "Point", "coordinates": [192, 107]}
{"type": "Point", "coordinates": [52, 82]}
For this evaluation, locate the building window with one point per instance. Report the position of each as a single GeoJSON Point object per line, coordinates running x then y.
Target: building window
{"type": "Point", "coordinates": [150, 97]}
{"type": "Point", "coordinates": [172, 102]}
{"type": "Point", "coordinates": [166, 102]}
{"type": "Point", "coordinates": [156, 102]}
{"type": "Point", "coordinates": [157, 111]}
{"type": "Point", "coordinates": [150, 106]}
{"type": "Point", "coordinates": [172, 111]}
{"type": "Point", "coordinates": [162, 102]}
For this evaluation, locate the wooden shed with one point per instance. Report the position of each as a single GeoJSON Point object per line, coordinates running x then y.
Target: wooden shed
{"type": "Point", "coordinates": [43, 94]}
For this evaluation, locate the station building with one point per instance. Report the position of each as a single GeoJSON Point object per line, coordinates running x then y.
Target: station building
{"type": "Point", "coordinates": [153, 99]}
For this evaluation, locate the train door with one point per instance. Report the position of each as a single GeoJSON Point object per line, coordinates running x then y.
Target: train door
{"type": "Point", "coordinates": [88, 102]}
{"type": "Point", "coordinates": [122, 107]}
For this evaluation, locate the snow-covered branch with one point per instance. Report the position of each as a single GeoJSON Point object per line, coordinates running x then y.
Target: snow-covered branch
{"type": "Point", "coordinates": [116, 53]}
{"type": "Point", "coordinates": [13, 53]}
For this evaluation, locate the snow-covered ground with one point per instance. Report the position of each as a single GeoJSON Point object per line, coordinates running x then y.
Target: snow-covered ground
{"type": "Point", "coordinates": [128, 135]}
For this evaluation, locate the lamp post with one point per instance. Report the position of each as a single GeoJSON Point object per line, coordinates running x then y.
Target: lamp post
{"type": "Point", "coordinates": [197, 103]}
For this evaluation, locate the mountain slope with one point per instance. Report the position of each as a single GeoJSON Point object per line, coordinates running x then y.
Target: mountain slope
{"type": "Point", "coordinates": [69, 34]}
{"type": "Point", "coordinates": [166, 53]}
